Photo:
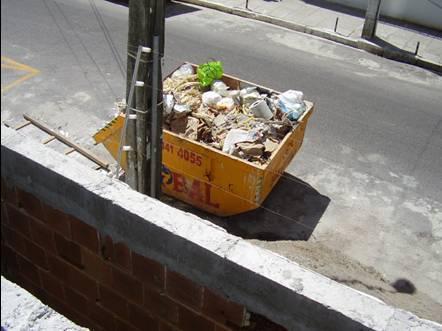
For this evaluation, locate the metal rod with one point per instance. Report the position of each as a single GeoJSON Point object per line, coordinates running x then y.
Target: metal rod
{"type": "Point", "coordinates": [65, 141]}
{"type": "Point", "coordinates": [336, 23]}
{"type": "Point", "coordinates": [155, 149]}
{"type": "Point", "coordinates": [247, 4]}
{"type": "Point", "coordinates": [128, 107]}
{"type": "Point", "coordinates": [417, 48]}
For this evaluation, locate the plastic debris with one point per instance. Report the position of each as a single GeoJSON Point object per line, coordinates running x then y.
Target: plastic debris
{"type": "Point", "coordinates": [220, 87]}
{"type": "Point", "coordinates": [225, 104]}
{"type": "Point", "coordinates": [270, 145]}
{"type": "Point", "coordinates": [292, 104]}
{"type": "Point", "coordinates": [211, 98]}
{"type": "Point", "coordinates": [183, 71]}
{"type": "Point", "coordinates": [260, 109]}
{"type": "Point", "coordinates": [169, 102]}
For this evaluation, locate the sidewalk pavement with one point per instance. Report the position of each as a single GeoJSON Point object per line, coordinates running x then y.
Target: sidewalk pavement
{"type": "Point", "coordinates": [395, 41]}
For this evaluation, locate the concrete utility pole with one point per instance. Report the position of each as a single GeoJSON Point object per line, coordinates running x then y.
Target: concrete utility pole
{"type": "Point", "coordinates": [146, 20]}
{"type": "Point", "coordinates": [371, 19]}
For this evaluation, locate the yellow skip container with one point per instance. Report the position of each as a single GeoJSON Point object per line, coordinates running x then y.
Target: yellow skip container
{"type": "Point", "coordinates": [209, 179]}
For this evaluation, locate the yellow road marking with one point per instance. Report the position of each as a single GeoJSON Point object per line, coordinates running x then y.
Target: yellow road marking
{"type": "Point", "coordinates": [8, 63]}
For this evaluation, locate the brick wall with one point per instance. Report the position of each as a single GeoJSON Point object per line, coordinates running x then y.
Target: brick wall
{"type": "Point", "coordinates": [100, 283]}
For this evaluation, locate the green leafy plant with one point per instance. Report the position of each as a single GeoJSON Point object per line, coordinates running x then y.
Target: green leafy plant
{"type": "Point", "coordinates": [208, 72]}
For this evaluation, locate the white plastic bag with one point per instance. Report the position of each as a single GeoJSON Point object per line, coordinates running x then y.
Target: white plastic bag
{"type": "Point", "coordinates": [183, 71]}
{"type": "Point", "coordinates": [292, 103]}
{"type": "Point", "coordinates": [169, 102]}
{"type": "Point", "coordinates": [226, 104]}
{"type": "Point", "coordinates": [211, 98]}
{"type": "Point", "coordinates": [219, 87]}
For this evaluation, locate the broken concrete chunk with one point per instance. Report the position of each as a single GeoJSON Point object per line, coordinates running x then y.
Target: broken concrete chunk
{"type": "Point", "coordinates": [225, 104]}
{"type": "Point", "coordinates": [270, 145]}
{"type": "Point", "coordinates": [180, 110]}
{"type": "Point", "coordinates": [250, 149]}
{"type": "Point", "coordinates": [220, 120]}
{"type": "Point", "coordinates": [235, 136]}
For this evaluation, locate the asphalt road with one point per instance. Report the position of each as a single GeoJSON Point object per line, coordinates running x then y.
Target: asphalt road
{"type": "Point", "coordinates": [367, 181]}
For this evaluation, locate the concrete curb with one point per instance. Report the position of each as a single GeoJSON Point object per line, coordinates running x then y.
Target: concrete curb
{"type": "Point", "coordinates": [392, 54]}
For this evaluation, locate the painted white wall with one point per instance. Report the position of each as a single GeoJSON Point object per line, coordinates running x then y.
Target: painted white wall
{"type": "Point", "coordinates": [423, 12]}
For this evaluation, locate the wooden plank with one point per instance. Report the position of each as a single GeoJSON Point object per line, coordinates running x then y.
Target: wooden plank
{"type": "Point", "coordinates": [67, 142]}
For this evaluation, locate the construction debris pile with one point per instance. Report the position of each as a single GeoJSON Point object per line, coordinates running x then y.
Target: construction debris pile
{"type": "Point", "coordinates": [245, 123]}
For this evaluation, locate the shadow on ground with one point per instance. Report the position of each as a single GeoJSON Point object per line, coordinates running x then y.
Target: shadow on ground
{"type": "Point", "coordinates": [172, 8]}
{"type": "Point", "coordinates": [290, 212]}
{"type": "Point", "coordinates": [386, 45]}
{"type": "Point", "coordinates": [175, 9]}
{"type": "Point", "coordinates": [361, 13]}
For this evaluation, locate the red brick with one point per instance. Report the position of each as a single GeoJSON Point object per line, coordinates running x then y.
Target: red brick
{"type": "Point", "coordinates": [166, 327]}
{"type": "Point", "coordinates": [148, 271]}
{"type": "Point", "coordinates": [84, 234]}
{"type": "Point", "coordinates": [77, 301]}
{"type": "Point", "coordinates": [68, 250]}
{"type": "Point", "coordinates": [113, 302]}
{"type": "Point", "coordinates": [28, 270]}
{"type": "Point", "coordinates": [9, 193]}
{"type": "Point", "coordinates": [42, 235]}
{"type": "Point", "coordinates": [14, 240]}
{"type": "Point", "coordinates": [139, 318]}
{"type": "Point", "coordinates": [128, 286]}
{"type": "Point", "coordinates": [123, 326]}
{"type": "Point", "coordinates": [184, 290]}
{"type": "Point", "coordinates": [107, 247]}
{"type": "Point", "coordinates": [122, 256]}
{"type": "Point", "coordinates": [58, 304]}
{"type": "Point", "coordinates": [18, 220]}
{"type": "Point", "coordinates": [36, 254]}
{"type": "Point", "coordinates": [101, 316]}
{"type": "Point", "coordinates": [9, 258]}
{"type": "Point", "coordinates": [57, 220]}
{"type": "Point", "coordinates": [223, 310]}
{"type": "Point", "coordinates": [96, 267]}
{"type": "Point", "coordinates": [4, 219]}
{"type": "Point", "coordinates": [82, 283]}
{"type": "Point", "coordinates": [30, 203]}
{"type": "Point", "coordinates": [58, 267]}
{"type": "Point", "coordinates": [81, 305]}
{"type": "Point", "coordinates": [82, 320]}
{"type": "Point", "coordinates": [160, 305]}
{"type": "Point", "coordinates": [3, 188]}
{"type": "Point", "coordinates": [223, 328]}
{"type": "Point", "coordinates": [118, 253]}
{"type": "Point", "coordinates": [190, 321]}
{"type": "Point", "coordinates": [30, 286]}
{"type": "Point", "coordinates": [52, 285]}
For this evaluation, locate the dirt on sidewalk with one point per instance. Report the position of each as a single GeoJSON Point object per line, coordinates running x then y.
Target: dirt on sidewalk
{"type": "Point", "coordinates": [334, 265]}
